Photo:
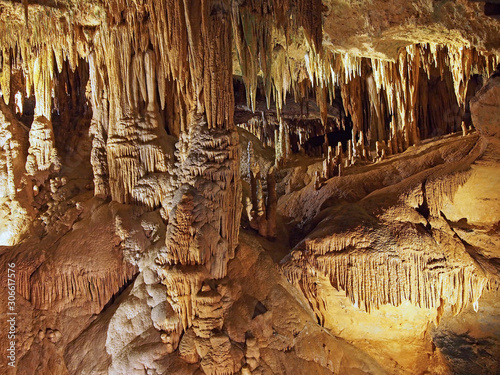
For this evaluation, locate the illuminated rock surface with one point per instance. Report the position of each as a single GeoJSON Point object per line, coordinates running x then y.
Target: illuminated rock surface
{"type": "Point", "coordinates": [251, 187]}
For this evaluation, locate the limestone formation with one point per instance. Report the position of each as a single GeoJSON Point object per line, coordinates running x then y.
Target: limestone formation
{"type": "Point", "coordinates": [359, 138]}
{"type": "Point", "coordinates": [261, 210]}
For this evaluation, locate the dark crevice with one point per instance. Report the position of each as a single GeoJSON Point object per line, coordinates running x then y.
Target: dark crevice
{"type": "Point", "coordinates": [259, 309]}
{"type": "Point", "coordinates": [492, 10]}
{"type": "Point", "coordinates": [119, 292]}
{"type": "Point", "coordinates": [423, 209]}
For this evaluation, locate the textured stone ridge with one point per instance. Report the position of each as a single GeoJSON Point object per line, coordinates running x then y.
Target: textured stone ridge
{"type": "Point", "coordinates": [485, 108]}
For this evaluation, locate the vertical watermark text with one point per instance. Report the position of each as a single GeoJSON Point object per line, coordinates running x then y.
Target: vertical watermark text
{"type": "Point", "coordinates": [11, 314]}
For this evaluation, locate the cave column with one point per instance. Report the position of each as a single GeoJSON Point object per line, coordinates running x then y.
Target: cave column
{"type": "Point", "coordinates": [204, 211]}
{"type": "Point", "coordinates": [98, 131]}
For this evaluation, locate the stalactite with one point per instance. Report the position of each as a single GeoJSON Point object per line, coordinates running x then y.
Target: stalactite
{"type": "Point", "coordinates": [439, 189]}
{"type": "Point", "coordinates": [11, 141]}
{"type": "Point", "coordinates": [412, 279]}
{"type": "Point", "coordinates": [5, 75]}
{"type": "Point", "coordinates": [427, 275]}
{"type": "Point", "coordinates": [353, 104]}
{"type": "Point", "coordinates": [49, 291]}
{"type": "Point", "coordinates": [42, 71]}
{"type": "Point", "coordinates": [217, 79]}
{"type": "Point", "coordinates": [321, 98]}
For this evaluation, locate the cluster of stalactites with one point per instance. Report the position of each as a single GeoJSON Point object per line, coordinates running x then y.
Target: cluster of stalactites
{"type": "Point", "coordinates": [384, 89]}
{"type": "Point", "coordinates": [193, 47]}
{"type": "Point", "coordinates": [29, 68]}
{"type": "Point", "coordinates": [397, 82]}
{"type": "Point", "coordinates": [371, 280]}
{"type": "Point", "coordinates": [54, 291]}
{"type": "Point", "coordinates": [463, 62]}
{"type": "Point", "coordinates": [153, 36]}
{"type": "Point", "coordinates": [129, 138]}
{"type": "Point", "coordinates": [264, 33]}
{"type": "Point", "coordinates": [262, 127]}
{"type": "Point", "coordinates": [144, 49]}
{"type": "Point", "coordinates": [38, 40]}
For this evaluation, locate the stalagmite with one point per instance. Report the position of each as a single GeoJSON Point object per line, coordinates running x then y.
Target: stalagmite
{"type": "Point", "coordinates": [42, 153]}
{"type": "Point", "coordinates": [380, 149]}
{"type": "Point", "coordinates": [272, 202]}
{"type": "Point", "coordinates": [261, 208]}
{"type": "Point", "coordinates": [349, 159]}
{"type": "Point", "coordinates": [282, 144]}
{"type": "Point", "coordinates": [261, 211]}
{"type": "Point", "coordinates": [318, 180]}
